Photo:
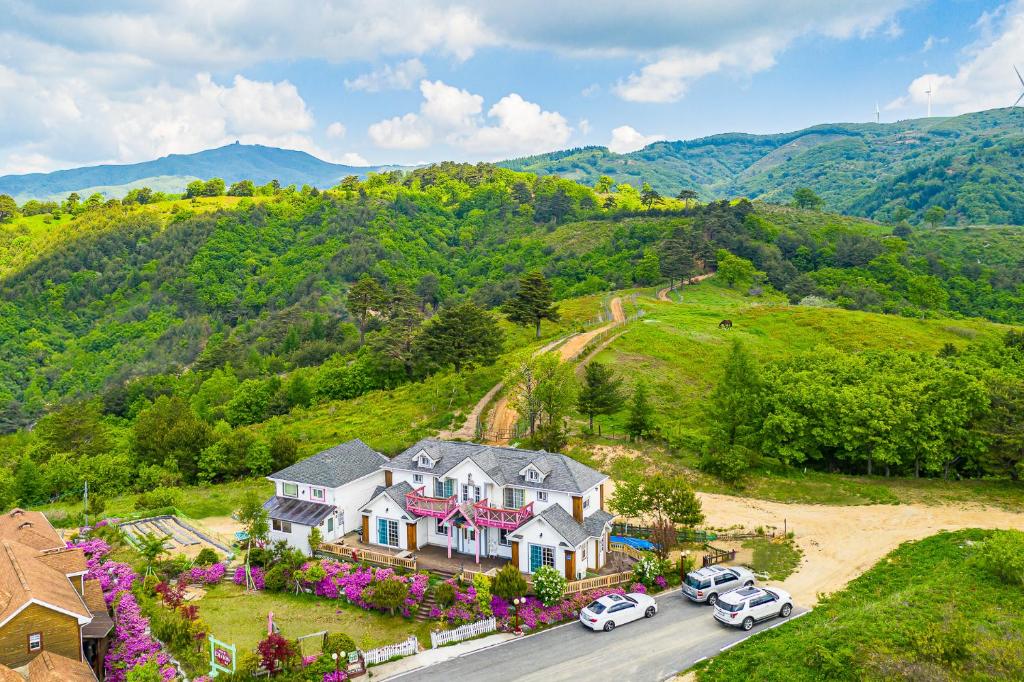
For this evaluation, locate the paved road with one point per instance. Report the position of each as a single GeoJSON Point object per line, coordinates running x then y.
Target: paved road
{"type": "Point", "coordinates": [681, 634]}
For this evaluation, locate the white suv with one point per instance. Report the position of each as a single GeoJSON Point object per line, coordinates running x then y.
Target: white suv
{"type": "Point", "coordinates": [750, 605]}
{"type": "Point", "coordinates": [711, 582]}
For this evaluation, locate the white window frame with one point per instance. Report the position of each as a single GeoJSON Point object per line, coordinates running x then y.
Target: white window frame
{"type": "Point", "coordinates": [542, 496]}
{"type": "Point", "coordinates": [286, 486]}
{"type": "Point", "coordinates": [511, 492]}
{"type": "Point", "coordinates": [532, 475]}
{"type": "Point", "coordinates": [440, 527]}
{"type": "Point", "coordinates": [313, 494]}
{"type": "Point", "coordinates": [586, 502]}
{"type": "Point", "coordinates": [417, 478]}
{"type": "Point", "coordinates": [503, 534]}
{"type": "Point", "coordinates": [37, 638]}
{"type": "Point", "coordinates": [281, 526]}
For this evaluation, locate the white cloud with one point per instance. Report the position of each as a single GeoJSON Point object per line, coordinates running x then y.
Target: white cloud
{"type": "Point", "coordinates": [984, 79]}
{"type": "Point", "coordinates": [628, 139]}
{"type": "Point", "coordinates": [453, 115]}
{"type": "Point", "coordinates": [352, 159]}
{"type": "Point", "coordinates": [402, 76]}
{"type": "Point", "coordinates": [336, 130]}
{"type": "Point", "coordinates": [591, 90]}
{"type": "Point", "coordinates": [401, 132]}
{"type": "Point", "coordinates": [584, 126]}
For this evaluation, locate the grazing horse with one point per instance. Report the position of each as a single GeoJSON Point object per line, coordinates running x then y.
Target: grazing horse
{"type": "Point", "coordinates": [725, 324]}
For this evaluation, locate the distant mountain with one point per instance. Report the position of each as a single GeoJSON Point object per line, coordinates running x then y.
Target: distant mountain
{"type": "Point", "coordinates": [171, 173]}
{"type": "Point", "coordinates": [971, 165]}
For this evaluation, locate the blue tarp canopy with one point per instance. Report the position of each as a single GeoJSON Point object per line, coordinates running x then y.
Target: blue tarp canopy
{"type": "Point", "coordinates": [636, 543]}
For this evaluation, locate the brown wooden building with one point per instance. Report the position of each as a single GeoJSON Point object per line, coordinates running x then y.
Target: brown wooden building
{"type": "Point", "coordinates": [53, 621]}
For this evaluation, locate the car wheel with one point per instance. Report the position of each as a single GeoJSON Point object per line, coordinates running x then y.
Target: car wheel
{"type": "Point", "coordinates": [609, 626]}
{"type": "Point", "coordinates": [649, 613]}
{"type": "Point", "coordinates": [786, 610]}
{"type": "Point", "coordinates": [712, 599]}
{"type": "Point", "coordinates": [749, 583]}
{"type": "Point", "coordinates": [748, 623]}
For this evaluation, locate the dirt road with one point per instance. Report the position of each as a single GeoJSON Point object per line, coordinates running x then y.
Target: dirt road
{"type": "Point", "coordinates": [503, 417]}
{"type": "Point", "coordinates": [840, 543]}
{"type": "Point", "coordinates": [663, 293]}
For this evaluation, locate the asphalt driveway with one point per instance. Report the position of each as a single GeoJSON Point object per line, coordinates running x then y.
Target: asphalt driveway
{"type": "Point", "coordinates": [680, 635]}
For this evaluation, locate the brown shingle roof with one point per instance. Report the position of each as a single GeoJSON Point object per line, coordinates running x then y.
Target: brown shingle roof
{"type": "Point", "coordinates": [23, 578]}
{"type": "Point", "coordinates": [30, 528]}
{"type": "Point", "coordinates": [102, 623]}
{"type": "Point", "coordinates": [68, 561]}
{"type": "Point", "coordinates": [8, 675]}
{"type": "Point", "coordinates": [50, 667]}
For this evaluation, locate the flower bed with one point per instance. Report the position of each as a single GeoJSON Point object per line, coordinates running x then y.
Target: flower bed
{"type": "Point", "coordinates": [206, 575]}
{"type": "Point", "coordinates": [256, 572]}
{"type": "Point", "coordinates": [352, 582]}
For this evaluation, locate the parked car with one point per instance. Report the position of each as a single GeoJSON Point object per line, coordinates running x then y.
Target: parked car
{"type": "Point", "coordinates": [611, 610]}
{"type": "Point", "coordinates": [744, 607]}
{"type": "Point", "coordinates": [709, 583]}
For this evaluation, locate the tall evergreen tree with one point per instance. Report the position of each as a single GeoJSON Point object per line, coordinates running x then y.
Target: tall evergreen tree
{"type": "Point", "coordinates": [641, 415]}
{"type": "Point", "coordinates": [601, 392]}
{"type": "Point", "coordinates": [462, 336]}
{"type": "Point", "coordinates": [650, 196]}
{"type": "Point", "coordinates": [532, 302]}
{"type": "Point", "coordinates": [735, 406]}
{"type": "Point", "coordinates": [676, 257]}
{"type": "Point", "coordinates": [364, 297]}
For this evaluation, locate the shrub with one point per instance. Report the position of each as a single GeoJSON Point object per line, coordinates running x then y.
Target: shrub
{"type": "Point", "coordinates": [275, 652]}
{"type": "Point", "coordinates": [275, 579]}
{"type": "Point", "coordinates": [206, 557]}
{"type": "Point", "coordinates": [156, 499]}
{"type": "Point", "coordinates": [483, 593]}
{"type": "Point", "coordinates": [648, 568]}
{"type": "Point", "coordinates": [548, 584]}
{"type": "Point", "coordinates": [338, 643]}
{"type": "Point", "coordinates": [508, 583]}
{"type": "Point", "coordinates": [1002, 555]}
{"type": "Point", "coordinates": [444, 593]}
{"type": "Point", "coordinates": [388, 594]}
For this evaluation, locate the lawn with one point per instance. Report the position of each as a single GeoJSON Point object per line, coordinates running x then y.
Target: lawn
{"type": "Point", "coordinates": [776, 558]}
{"type": "Point", "coordinates": [925, 612]}
{"type": "Point", "coordinates": [241, 619]}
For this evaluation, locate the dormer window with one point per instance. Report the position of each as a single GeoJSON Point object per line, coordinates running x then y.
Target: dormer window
{"type": "Point", "coordinates": [532, 475]}
{"type": "Point", "coordinates": [425, 461]}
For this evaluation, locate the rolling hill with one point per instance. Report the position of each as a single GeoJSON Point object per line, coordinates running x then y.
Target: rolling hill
{"type": "Point", "coordinates": [971, 165]}
{"type": "Point", "coordinates": [171, 173]}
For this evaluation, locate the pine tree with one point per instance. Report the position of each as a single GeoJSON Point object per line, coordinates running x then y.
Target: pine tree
{"type": "Point", "coordinates": [735, 405]}
{"type": "Point", "coordinates": [363, 297]}
{"type": "Point", "coordinates": [461, 336]}
{"type": "Point", "coordinates": [601, 392]}
{"type": "Point", "coordinates": [641, 414]}
{"type": "Point", "coordinates": [27, 482]}
{"type": "Point", "coordinates": [676, 257]}
{"type": "Point", "coordinates": [532, 303]}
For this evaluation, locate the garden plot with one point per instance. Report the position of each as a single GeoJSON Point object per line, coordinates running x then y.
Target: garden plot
{"type": "Point", "coordinates": [180, 537]}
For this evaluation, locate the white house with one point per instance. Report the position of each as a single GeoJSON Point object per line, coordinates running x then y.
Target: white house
{"type": "Point", "coordinates": [533, 508]}
{"type": "Point", "coordinates": [325, 490]}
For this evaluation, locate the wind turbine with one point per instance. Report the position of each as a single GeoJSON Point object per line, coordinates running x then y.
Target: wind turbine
{"type": "Point", "coordinates": [1021, 79]}
{"type": "Point", "coordinates": [929, 93]}
{"type": "Point", "coordinates": [878, 114]}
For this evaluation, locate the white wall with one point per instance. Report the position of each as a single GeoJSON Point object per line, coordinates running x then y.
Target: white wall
{"type": "Point", "coordinates": [298, 538]}
{"type": "Point", "coordinates": [386, 508]}
{"type": "Point", "coordinates": [351, 497]}
{"type": "Point", "coordinates": [541, 533]}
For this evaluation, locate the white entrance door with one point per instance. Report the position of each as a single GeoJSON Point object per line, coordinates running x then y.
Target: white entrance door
{"type": "Point", "coordinates": [467, 540]}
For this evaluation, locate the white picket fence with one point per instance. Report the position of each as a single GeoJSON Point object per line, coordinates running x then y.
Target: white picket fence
{"type": "Point", "coordinates": [385, 653]}
{"type": "Point", "coordinates": [481, 627]}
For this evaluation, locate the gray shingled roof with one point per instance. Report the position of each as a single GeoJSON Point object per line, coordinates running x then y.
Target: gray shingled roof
{"type": "Point", "coordinates": [297, 511]}
{"type": "Point", "coordinates": [503, 464]}
{"type": "Point", "coordinates": [397, 492]}
{"type": "Point", "coordinates": [334, 467]}
{"type": "Point", "coordinates": [565, 524]}
{"type": "Point", "coordinates": [595, 523]}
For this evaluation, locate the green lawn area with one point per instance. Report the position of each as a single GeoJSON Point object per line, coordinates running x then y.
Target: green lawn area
{"type": "Point", "coordinates": [241, 619]}
{"type": "Point", "coordinates": [925, 612]}
{"type": "Point", "coordinates": [777, 559]}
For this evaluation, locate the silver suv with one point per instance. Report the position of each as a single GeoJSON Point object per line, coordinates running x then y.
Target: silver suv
{"type": "Point", "coordinates": [750, 605]}
{"type": "Point", "coordinates": [711, 582]}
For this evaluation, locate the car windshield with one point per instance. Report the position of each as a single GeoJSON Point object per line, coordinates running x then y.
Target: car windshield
{"type": "Point", "coordinates": [694, 581]}
{"type": "Point", "coordinates": [596, 607]}
{"type": "Point", "coordinates": [725, 606]}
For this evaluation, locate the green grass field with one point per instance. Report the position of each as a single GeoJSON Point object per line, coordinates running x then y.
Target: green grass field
{"type": "Point", "coordinates": [925, 612]}
{"type": "Point", "coordinates": [241, 619]}
{"type": "Point", "coordinates": [776, 559]}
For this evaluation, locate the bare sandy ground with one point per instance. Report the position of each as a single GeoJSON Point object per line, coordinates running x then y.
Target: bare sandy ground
{"type": "Point", "coordinates": [840, 543]}
{"type": "Point", "coordinates": [503, 417]}
{"type": "Point", "coordinates": [663, 293]}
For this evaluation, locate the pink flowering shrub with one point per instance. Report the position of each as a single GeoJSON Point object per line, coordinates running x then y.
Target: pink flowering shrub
{"type": "Point", "coordinates": [466, 609]}
{"type": "Point", "coordinates": [343, 580]}
{"type": "Point", "coordinates": [258, 576]}
{"type": "Point", "coordinates": [335, 676]}
{"type": "Point", "coordinates": [661, 582]}
{"type": "Point", "coordinates": [132, 644]}
{"type": "Point", "coordinates": [206, 575]}
{"type": "Point", "coordinates": [638, 587]}
{"type": "Point", "coordinates": [534, 614]}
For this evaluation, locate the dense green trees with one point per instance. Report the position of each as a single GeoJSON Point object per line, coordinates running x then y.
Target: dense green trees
{"type": "Point", "coordinates": [532, 302]}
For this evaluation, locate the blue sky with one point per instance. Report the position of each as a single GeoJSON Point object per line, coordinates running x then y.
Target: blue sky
{"type": "Point", "coordinates": [409, 82]}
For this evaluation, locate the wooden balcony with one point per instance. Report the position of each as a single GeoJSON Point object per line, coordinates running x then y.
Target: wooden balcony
{"type": "Point", "coordinates": [421, 504]}
{"type": "Point", "coordinates": [500, 517]}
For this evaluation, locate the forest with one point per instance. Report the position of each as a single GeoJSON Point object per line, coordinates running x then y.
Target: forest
{"type": "Point", "coordinates": [143, 337]}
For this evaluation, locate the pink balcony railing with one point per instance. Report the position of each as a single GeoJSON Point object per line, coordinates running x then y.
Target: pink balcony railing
{"type": "Point", "coordinates": [438, 507]}
{"type": "Point", "coordinates": [499, 517]}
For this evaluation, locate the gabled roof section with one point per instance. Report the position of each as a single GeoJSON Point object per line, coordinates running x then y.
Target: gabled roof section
{"type": "Point", "coordinates": [596, 523]}
{"type": "Point", "coordinates": [302, 512]}
{"type": "Point", "coordinates": [565, 525]}
{"type": "Point", "coordinates": [335, 467]}
{"type": "Point", "coordinates": [29, 528]}
{"type": "Point", "coordinates": [396, 493]}
{"type": "Point", "coordinates": [424, 460]}
{"type": "Point", "coordinates": [68, 561]}
{"type": "Point", "coordinates": [51, 667]}
{"type": "Point", "coordinates": [505, 466]}
{"type": "Point", "coordinates": [25, 579]}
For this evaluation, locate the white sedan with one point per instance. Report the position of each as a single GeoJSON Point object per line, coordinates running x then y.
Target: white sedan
{"type": "Point", "coordinates": [604, 613]}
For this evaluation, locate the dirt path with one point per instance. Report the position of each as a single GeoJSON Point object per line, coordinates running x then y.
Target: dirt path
{"type": "Point", "coordinates": [840, 543]}
{"type": "Point", "coordinates": [503, 417]}
{"type": "Point", "coordinates": [663, 293]}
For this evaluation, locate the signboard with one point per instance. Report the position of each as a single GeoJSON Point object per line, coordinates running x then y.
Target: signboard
{"type": "Point", "coordinates": [222, 657]}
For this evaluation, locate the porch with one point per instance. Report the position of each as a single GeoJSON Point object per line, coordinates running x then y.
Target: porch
{"type": "Point", "coordinates": [427, 558]}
